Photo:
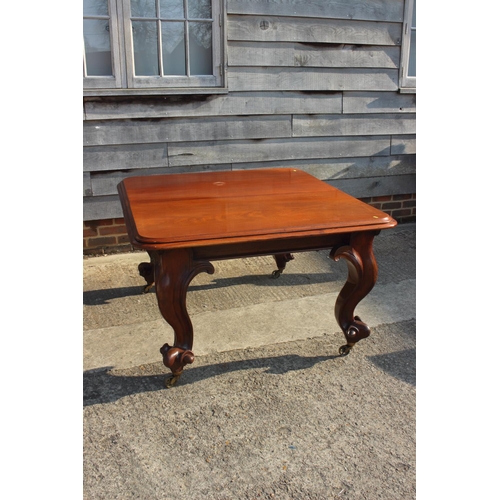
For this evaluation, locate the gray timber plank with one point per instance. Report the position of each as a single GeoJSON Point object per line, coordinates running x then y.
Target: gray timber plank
{"type": "Point", "coordinates": [373, 10]}
{"type": "Point", "coordinates": [104, 183]}
{"type": "Point", "coordinates": [260, 53]}
{"type": "Point", "coordinates": [185, 129]}
{"type": "Point", "coordinates": [192, 153]}
{"type": "Point", "coordinates": [365, 187]}
{"type": "Point", "coordinates": [235, 103]}
{"type": "Point", "coordinates": [102, 207]}
{"type": "Point", "coordinates": [379, 102]}
{"type": "Point", "coordinates": [343, 168]}
{"type": "Point", "coordinates": [338, 125]}
{"type": "Point", "coordinates": [404, 144]}
{"type": "Point", "coordinates": [87, 186]}
{"type": "Point", "coordinates": [289, 29]}
{"type": "Point", "coordinates": [97, 158]}
{"type": "Point", "coordinates": [312, 79]}
{"type": "Point", "coordinates": [302, 54]}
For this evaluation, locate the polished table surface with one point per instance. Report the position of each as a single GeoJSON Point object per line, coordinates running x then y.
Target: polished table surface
{"type": "Point", "coordinates": [186, 220]}
{"type": "Point", "coordinates": [168, 211]}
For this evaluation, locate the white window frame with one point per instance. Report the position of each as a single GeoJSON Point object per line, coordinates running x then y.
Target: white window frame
{"type": "Point", "coordinates": [407, 84]}
{"type": "Point", "coordinates": [125, 82]}
{"type": "Point", "coordinates": [107, 82]}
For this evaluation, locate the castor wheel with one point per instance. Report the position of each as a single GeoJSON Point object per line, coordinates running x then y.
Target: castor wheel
{"type": "Point", "coordinates": [171, 381]}
{"type": "Point", "coordinates": [276, 274]}
{"type": "Point", "coordinates": [345, 349]}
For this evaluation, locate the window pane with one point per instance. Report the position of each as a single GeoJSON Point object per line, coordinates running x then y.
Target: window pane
{"type": "Point", "coordinates": [200, 48]}
{"type": "Point", "coordinates": [200, 9]}
{"type": "Point", "coordinates": [173, 9]}
{"type": "Point", "coordinates": [143, 8]}
{"type": "Point", "coordinates": [412, 64]}
{"type": "Point", "coordinates": [95, 7]}
{"type": "Point", "coordinates": [145, 48]}
{"type": "Point", "coordinates": [173, 49]}
{"type": "Point", "coordinates": [97, 47]}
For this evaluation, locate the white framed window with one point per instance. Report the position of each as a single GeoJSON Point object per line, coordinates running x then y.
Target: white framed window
{"type": "Point", "coordinates": [152, 44]}
{"type": "Point", "coordinates": [101, 67]}
{"type": "Point", "coordinates": [408, 66]}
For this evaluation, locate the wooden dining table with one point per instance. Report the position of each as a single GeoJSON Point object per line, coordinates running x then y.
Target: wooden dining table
{"type": "Point", "coordinates": [186, 221]}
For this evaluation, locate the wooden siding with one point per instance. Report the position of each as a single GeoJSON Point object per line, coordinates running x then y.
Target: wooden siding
{"type": "Point", "coordinates": [311, 84]}
{"type": "Point", "coordinates": [256, 79]}
{"type": "Point", "coordinates": [307, 29]}
{"type": "Point", "coordinates": [308, 55]}
{"type": "Point", "coordinates": [372, 10]}
{"type": "Point", "coordinates": [234, 103]}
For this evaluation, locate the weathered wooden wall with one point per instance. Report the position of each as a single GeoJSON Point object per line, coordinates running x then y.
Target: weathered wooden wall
{"type": "Point", "coordinates": [313, 84]}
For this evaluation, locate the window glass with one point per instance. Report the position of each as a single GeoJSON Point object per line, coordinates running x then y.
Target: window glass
{"type": "Point", "coordinates": [412, 64]}
{"type": "Point", "coordinates": [97, 47]}
{"type": "Point", "coordinates": [200, 48]}
{"type": "Point", "coordinates": [199, 9]}
{"type": "Point", "coordinates": [173, 48]}
{"type": "Point", "coordinates": [143, 8]}
{"type": "Point", "coordinates": [145, 48]}
{"type": "Point", "coordinates": [95, 7]}
{"type": "Point", "coordinates": [172, 9]}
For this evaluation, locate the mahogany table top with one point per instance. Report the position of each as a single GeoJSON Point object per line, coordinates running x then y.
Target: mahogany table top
{"type": "Point", "coordinates": [195, 209]}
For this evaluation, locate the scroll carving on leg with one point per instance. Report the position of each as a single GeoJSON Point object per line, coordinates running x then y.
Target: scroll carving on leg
{"type": "Point", "coordinates": [362, 275]}
{"type": "Point", "coordinates": [174, 270]}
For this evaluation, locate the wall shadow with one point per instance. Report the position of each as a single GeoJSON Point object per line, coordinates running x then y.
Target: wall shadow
{"type": "Point", "coordinates": [101, 386]}
{"type": "Point", "coordinates": [399, 364]}
{"type": "Point", "coordinates": [103, 296]}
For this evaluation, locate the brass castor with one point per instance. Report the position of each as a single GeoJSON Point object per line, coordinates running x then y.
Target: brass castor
{"type": "Point", "coordinates": [171, 381]}
{"type": "Point", "coordinates": [345, 349]}
{"type": "Point", "coordinates": [276, 274]}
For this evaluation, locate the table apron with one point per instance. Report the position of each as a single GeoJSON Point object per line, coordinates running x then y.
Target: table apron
{"type": "Point", "coordinates": [274, 246]}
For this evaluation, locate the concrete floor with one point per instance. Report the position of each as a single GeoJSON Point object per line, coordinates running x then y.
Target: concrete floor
{"type": "Point", "coordinates": [268, 409]}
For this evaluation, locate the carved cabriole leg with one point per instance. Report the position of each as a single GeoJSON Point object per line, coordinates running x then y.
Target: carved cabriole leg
{"type": "Point", "coordinates": [361, 279]}
{"type": "Point", "coordinates": [174, 270]}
